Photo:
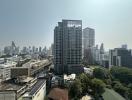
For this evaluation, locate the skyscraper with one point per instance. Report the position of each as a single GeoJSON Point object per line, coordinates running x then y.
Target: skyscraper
{"type": "Point", "coordinates": [68, 46]}
{"type": "Point", "coordinates": [88, 37]}
{"type": "Point", "coordinates": [88, 45]}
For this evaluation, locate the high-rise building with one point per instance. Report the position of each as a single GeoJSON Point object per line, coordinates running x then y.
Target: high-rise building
{"type": "Point", "coordinates": [88, 37]}
{"type": "Point", "coordinates": [124, 46]}
{"type": "Point", "coordinates": [120, 57]}
{"type": "Point", "coordinates": [88, 45]}
{"type": "Point", "coordinates": [11, 50]}
{"type": "Point", "coordinates": [40, 49]}
{"type": "Point", "coordinates": [68, 46]}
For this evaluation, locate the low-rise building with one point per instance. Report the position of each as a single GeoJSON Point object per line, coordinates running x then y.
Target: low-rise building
{"type": "Point", "coordinates": [8, 95]}
{"type": "Point", "coordinates": [88, 71]}
{"type": "Point", "coordinates": [56, 81]}
{"type": "Point", "coordinates": [2, 60]}
{"type": "Point", "coordinates": [5, 70]}
{"type": "Point", "coordinates": [69, 78]}
{"type": "Point", "coordinates": [37, 91]}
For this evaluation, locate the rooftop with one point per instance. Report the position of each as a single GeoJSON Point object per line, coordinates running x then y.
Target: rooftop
{"type": "Point", "coordinates": [37, 86]}
{"type": "Point", "coordinates": [58, 94]}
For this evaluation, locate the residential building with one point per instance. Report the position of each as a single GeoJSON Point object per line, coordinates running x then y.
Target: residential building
{"type": "Point", "coordinates": [68, 46]}
{"type": "Point", "coordinates": [5, 70]}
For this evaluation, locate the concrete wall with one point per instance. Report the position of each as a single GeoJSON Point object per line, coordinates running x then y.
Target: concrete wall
{"type": "Point", "coordinates": [8, 95]}
{"type": "Point", "coordinates": [40, 94]}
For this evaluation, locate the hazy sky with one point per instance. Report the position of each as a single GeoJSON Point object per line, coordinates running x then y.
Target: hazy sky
{"type": "Point", "coordinates": [31, 22]}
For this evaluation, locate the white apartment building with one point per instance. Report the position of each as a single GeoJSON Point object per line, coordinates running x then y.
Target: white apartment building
{"type": "Point", "coordinates": [5, 70]}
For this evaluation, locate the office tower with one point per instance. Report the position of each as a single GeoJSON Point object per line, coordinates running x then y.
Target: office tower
{"type": "Point", "coordinates": [33, 49]}
{"type": "Point", "coordinates": [88, 37]}
{"type": "Point", "coordinates": [88, 45]}
{"type": "Point", "coordinates": [120, 57]}
{"type": "Point", "coordinates": [40, 49]}
{"type": "Point", "coordinates": [68, 46]}
{"type": "Point", "coordinates": [7, 50]}
{"type": "Point", "coordinates": [124, 46]}
{"type": "Point", "coordinates": [52, 48]}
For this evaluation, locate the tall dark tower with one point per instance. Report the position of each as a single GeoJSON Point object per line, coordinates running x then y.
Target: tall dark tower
{"type": "Point", "coordinates": [68, 46]}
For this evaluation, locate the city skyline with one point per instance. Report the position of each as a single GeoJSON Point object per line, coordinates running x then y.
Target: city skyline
{"type": "Point", "coordinates": [32, 22]}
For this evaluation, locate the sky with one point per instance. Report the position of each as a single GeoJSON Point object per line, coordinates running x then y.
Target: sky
{"type": "Point", "coordinates": [32, 22]}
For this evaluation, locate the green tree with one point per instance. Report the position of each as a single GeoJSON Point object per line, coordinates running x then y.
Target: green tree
{"type": "Point", "coordinates": [75, 89]}
{"type": "Point", "coordinates": [101, 73]}
{"type": "Point", "coordinates": [122, 74]}
{"type": "Point", "coordinates": [85, 82]}
{"type": "Point", "coordinates": [118, 87]}
{"type": "Point", "coordinates": [98, 86]}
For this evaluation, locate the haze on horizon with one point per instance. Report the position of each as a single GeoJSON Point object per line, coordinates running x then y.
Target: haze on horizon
{"type": "Point", "coordinates": [32, 22]}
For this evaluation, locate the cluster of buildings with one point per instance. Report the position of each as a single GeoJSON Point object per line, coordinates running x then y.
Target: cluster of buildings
{"type": "Point", "coordinates": [22, 82]}
{"type": "Point", "coordinates": [34, 51]}
{"type": "Point", "coordinates": [34, 89]}
{"type": "Point", "coordinates": [74, 46]}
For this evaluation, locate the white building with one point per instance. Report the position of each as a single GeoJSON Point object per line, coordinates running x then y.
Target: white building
{"type": "Point", "coordinates": [5, 70]}
{"type": "Point", "coordinates": [2, 60]}
{"type": "Point", "coordinates": [37, 91]}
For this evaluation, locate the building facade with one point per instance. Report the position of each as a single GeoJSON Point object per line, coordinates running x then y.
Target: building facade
{"type": "Point", "coordinates": [37, 91]}
{"type": "Point", "coordinates": [5, 71]}
{"type": "Point", "coordinates": [68, 46]}
{"type": "Point", "coordinates": [88, 38]}
{"type": "Point", "coordinates": [120, 57]}
{"type": "Point", "coordinates": [88, 45]}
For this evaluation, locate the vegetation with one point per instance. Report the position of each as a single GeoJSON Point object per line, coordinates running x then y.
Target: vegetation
{"type": "Point", "coordinates": [85, 84]}
{"type": "Point", "coordinates": [118, 78]}
{"type": "Point", "coordinates": [76, 89]}
{"type": "Point", "coordinates": [101, 73]}
{"type": "Point", "coordinates": [123, 74]}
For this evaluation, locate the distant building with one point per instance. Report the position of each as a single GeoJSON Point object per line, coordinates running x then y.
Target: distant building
{"type": "Point", "coordinates": [52, 48]}
{"type": "Point", "coordinates": [5, 71]}
{"type": "Point", "coordinates": [124, 46]}
{"type": "Point", "coordinates": [88, 45]}
{"type": "Point", "coordinates": [40, 49]}
{"type": "Point", "coordinates": [37, 91]}
{"type": "Point", "coordinates": [102, 51]}
{"type": "Point", "coordinates": [0, 53]}
{"type": "Point", "coordinates": [7, 50]}
{"type": "Point", "coordinates": [2, 60]}
{"type": "Point", "coordinates": [68, 46]}
{"type": "Point", "coordinates": [11, 50]}
{"type": "Point", "coordinates": [120, 57]}
{"type": "Point", "coordinates": [88, 38]}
